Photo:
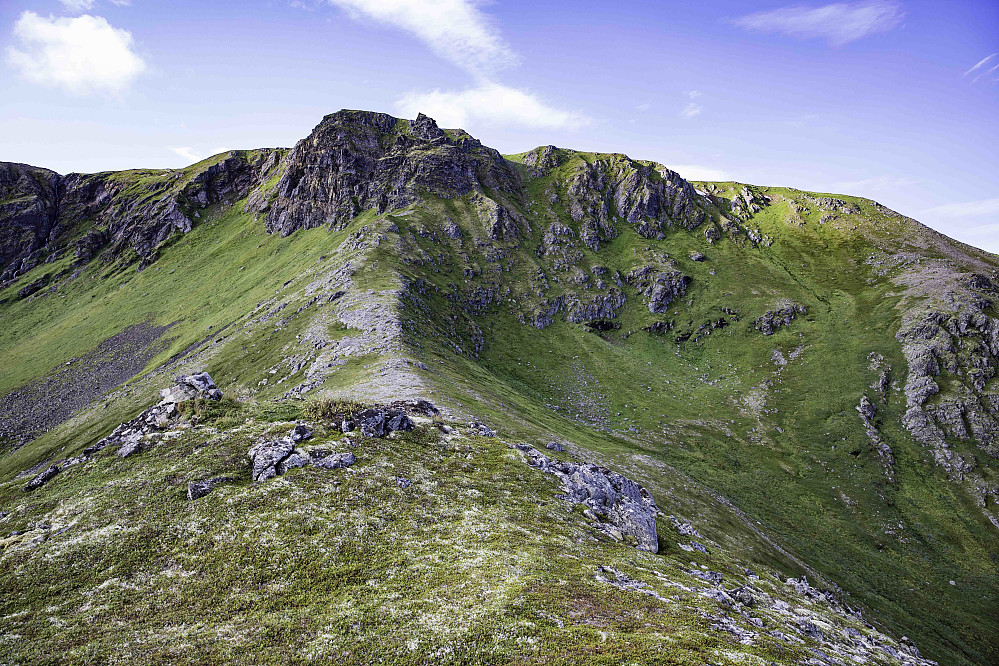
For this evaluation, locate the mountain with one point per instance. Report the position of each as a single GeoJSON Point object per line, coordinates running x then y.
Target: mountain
{"type": "Point", "coordinates": [462, 407]}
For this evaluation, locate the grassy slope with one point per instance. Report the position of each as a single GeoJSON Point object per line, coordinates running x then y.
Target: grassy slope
{"type": "Point", "coordinates": [802, 484]}
{"type": "Point", "coordinates": [803, 467]}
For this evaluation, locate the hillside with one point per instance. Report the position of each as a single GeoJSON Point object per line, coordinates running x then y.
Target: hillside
{"type": "Point", "coordinates": [803, 383]}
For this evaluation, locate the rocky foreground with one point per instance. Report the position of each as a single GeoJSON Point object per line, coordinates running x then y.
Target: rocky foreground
{"type": "Point", "coordinates": [434, 489]}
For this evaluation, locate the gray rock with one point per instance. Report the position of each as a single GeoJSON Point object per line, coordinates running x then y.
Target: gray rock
{"type": "Point", "coordinates": [265, 457]}
{"type": "Point", "coordinates": [41, 479]}
{"type": "Point", "coordinates": [294, 460]}
{"type": "Point", "coordinates": [131, 444]}
{"type": "Point", "coordinates": [378, 422]}
{"type": "Point", "coordinates": [336, 461]}
{"type": "Point", "coordinates": [555, 446]}
{"type": "Point", "coordinates": [620, 502]}
{"type": "Point", "coordinates": [199, 489]}
{"type": "Point", "coordinates": [774, 319]}
{"type": "Point", "coordinates": [744, 596]}
{"type": "Point", "coordinates": [481, 429]}
{"type": "Point", "coordinates": [300, 433]}
{"type": "Point", "coordinates": [403, 482]}
{"type": "Point", "coordinates": [189, 387]}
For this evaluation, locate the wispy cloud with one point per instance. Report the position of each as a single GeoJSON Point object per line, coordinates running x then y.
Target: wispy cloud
{"type": "Point", "coordinates": [81, 55]}
{"type": "Point", "coordinates": [692, 108]}
{"type": "Point", "coordinates": [454, 29]}
{"type": "Point", "coordinates": [699, 172]}
{"type": "Point", "coordinates": [982, 68]}
{"type": "Point", "coordinates": [966, 209]}
{"type": "Point", "coordinates": [642, 108]}
{"type": "Point", "coordinates": [187, 153]}
{"type": "Point", "coordinates": [78, 5]}
{"type": "Point", "coordinates": [492, 103]}
{"type": "Point", "coordinates": [981, 63]}
{"type": "Point", "coordinates": [838, 23]}
{"type": "Point", "coordinates": [460, 32]}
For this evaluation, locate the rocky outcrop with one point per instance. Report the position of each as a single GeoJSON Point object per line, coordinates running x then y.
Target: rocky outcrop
{"type": "Point", "coordinates": [868, 411]}
{"type": "Point", "coordinates": [379, 422]}
{"type": "Point", "coordinates": [113, 213]}
{"type": "Point", "coordinates": [190, 387]}
{"type": "Point", "coordinates": [748, 202]}
{"type": "Point", "coordinates": [619, 506]}
{"type": "Point", "coordinates": [660, 286]}
{"type": "Point", "coordinates": [131, 436]}
{"type": "Point", "coordinates": [272, 458]}
{"type": "Point", "coordinates": [42, 478]}
{"type": "Point", "coordinates": [543, 159]}
{"type": "Point", "coordinates": [771, 320]}
{"type": "Point", "coordinates": [357, 160]}
{"type": "Point", "coordinates": [29, 212]}
{"type": "Point", "coordinates": [648, 196]}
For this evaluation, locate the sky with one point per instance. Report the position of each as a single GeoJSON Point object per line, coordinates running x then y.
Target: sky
{"type": "Point", "coordinates": [895, 100]}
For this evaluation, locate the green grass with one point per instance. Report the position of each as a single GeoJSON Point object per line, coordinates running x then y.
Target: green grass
{"type": "Point", "coordinates": [773, 462]}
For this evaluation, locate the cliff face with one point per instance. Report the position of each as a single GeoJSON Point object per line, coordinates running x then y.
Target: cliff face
{"type": "Point", "coordinates": [808, 378]}
{"type": "Point", "coordinates": [44, 216]}
{"type": "Point", "coordinates": [355, 161]}
{"type": "Point", "coordinates": [29, 209]}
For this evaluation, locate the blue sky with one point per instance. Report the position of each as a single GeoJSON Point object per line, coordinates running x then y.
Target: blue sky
{"type": "Point", "coordinates": [896, 100]}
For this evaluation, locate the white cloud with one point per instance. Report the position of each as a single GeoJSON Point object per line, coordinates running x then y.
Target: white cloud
{"type": "Point", "coordinates": [642, 108]}
{"type": "Point", "coordinates": [78, 5]}
{"type": "Point", "coordinates": [488, 103]}
{"type": "Point", "coordinates": [454, 29]}
{"type": "Point", "coordinates": [699, 172]}
{"type": "Point", "coordinates": [838, 23]}
{"type": "Point", "coordinates": [981, 70]}
{"type": "Point", "coordinates": [187, 153]}
{"type": "Point", "coordinates": [692, 109]}
{"type": "Point", "coordinates": [966, 209]}
{"type": "Point", "coordinates": [981, 63]}
{"type": "Point", "coordinates": [81, 55]}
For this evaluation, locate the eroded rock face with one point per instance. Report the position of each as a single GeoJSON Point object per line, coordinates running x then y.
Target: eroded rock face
{"type": "Point", "coordinates": [628, 508]}
{"type": "Point", "coordinates": [358, 160]}
{"type": "Point", "coordinates": [28, 216]}
{"type": "Point", "coordinates": [648, 196]}
{"type": "Point", "coordinates": [41, 208]}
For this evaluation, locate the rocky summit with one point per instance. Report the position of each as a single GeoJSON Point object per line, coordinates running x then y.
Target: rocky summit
{"type": "Point", "coordinates": [391, 396]}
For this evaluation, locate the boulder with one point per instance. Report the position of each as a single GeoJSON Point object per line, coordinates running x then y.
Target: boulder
{"type": "Point", "coordinates": [189, 387]}
{"type": "Point", "coordinates": [774, 319]}
{"type": "Point", "coordinates": [336, 461]}
{"type": "Point", "coordinates": [378, 422]}
{"type": "Point", "coordinates": [265, 457]}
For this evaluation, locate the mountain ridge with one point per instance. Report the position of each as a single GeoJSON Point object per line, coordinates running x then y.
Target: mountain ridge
{"type": "Point", "coordinates": [847, 352]}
